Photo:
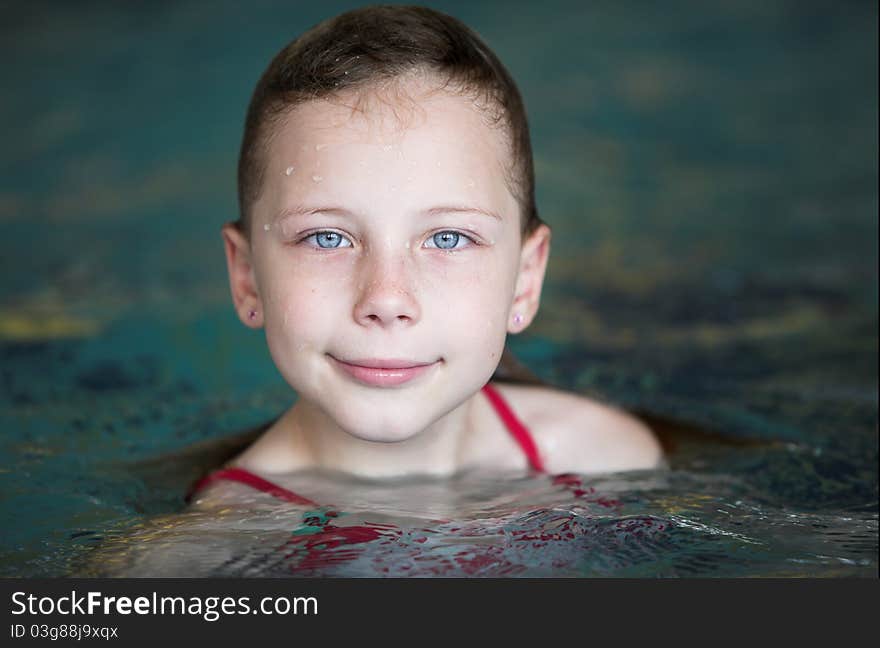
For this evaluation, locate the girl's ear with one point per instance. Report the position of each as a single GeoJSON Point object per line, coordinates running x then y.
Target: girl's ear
{"type": "Point", "coordinates": [245, 295]}
{"type": "Point", "coordinates": [532, 266]}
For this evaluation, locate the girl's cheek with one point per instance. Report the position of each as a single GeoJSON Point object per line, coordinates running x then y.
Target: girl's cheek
{"type": "Point", "coordinates": [302, 277]}
{"type": "Point", "coordinates": [480, 290]}
{"type": "Point", "coordinates": [466, 270]}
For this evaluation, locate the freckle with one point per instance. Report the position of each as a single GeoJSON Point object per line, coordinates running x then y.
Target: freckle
{"type": "Point", "coordinates": [317, 178]}
{"type": "Point", "coordinates": [288, 170]}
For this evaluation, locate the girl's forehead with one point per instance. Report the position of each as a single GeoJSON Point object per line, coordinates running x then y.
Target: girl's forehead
{"type": "Point", "coordinates": [409, 148]}
{"type": "Point", "coordinates": [406, 114]}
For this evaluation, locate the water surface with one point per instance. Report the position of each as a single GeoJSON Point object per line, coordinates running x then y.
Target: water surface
{"type": "Point", "coordinates": [710, 173]}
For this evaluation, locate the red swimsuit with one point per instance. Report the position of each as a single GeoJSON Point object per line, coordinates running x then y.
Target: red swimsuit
{"type": "Point", "coordinates": [321, 546]}
{"type": "Point", "coordinates": [516, 428]}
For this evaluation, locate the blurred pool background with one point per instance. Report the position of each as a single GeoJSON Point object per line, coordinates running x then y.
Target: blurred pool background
{"type": "Point", "coordinates": [709, 169]}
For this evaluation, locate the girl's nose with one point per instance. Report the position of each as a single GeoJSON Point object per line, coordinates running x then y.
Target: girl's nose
{"type": "Point", "coordinates": [386, 297]}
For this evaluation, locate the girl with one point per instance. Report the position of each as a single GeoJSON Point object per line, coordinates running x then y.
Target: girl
{"type": "Point", "coordinates": [388, 241]}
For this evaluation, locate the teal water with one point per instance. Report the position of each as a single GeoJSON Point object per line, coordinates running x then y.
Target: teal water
{"type": "Point", "coordinates": [711, 177]}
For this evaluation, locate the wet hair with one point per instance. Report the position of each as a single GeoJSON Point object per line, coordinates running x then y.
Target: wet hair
{"type": "Point", "coordinates": [367, 48]}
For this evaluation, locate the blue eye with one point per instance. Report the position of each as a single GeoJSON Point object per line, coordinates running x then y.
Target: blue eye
{"type": "Point", "coordinates": [328, 240]}
{"type": "Point", "coordinates": [448, 240]}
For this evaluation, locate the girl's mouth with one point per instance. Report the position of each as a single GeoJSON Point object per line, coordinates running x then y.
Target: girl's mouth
{"type": "Point", "coordinates": [383, 372]}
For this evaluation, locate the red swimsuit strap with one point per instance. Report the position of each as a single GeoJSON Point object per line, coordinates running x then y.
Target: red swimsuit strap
{"type": "Point", "coordinates": [519, 431]}
{"type": "Point", "coordinates": [250, 479]}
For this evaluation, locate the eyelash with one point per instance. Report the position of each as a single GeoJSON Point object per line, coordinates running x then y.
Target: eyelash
{"type": "Point", "coordinates": [313, 237]}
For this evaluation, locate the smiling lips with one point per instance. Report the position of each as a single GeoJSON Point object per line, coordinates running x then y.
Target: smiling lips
{"type": "Point", "coordinates": [378, 372]}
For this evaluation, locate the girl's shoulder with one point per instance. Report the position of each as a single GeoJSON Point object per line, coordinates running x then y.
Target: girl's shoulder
{"type": "Point", "coordinates": [578, 434]}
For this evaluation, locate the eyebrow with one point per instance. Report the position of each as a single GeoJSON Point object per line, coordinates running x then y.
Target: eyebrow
{"type": "Point", "coordinates": [301, 210]}
{"type": "Point", "coordinates": [460, 209]}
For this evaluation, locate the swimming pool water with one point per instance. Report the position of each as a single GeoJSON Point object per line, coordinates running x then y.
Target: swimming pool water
{"type": "Point", "coordinates": [710, 173]}
{"type": "Point", "coordinates": [710, 514]}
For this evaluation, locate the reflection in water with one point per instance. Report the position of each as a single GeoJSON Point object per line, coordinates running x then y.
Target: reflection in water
{"type": "Point", "coordinates": [706, 515]}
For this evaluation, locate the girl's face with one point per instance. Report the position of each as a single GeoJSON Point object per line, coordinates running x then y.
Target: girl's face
{"type": "Point", "coordinates": [385, 258]}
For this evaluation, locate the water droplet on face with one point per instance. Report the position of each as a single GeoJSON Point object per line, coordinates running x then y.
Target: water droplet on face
{"type": "Point", "coordinates": [288, 170]}
{"type": "Point", "coordinates": [388, 147]}
{"type": "Point", "coordinates": [471, 183]}
{"type": "Point", "coordinates": [267, 227]}
{"type": "Point", "coordinates": [317, 178]}
{"type": "Point", "coordinates": [318, 147]}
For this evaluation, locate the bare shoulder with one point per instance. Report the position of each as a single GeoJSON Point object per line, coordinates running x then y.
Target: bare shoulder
{"type": "Point", "coordinates": [577, 434]}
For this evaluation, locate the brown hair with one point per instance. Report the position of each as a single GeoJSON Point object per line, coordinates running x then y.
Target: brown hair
{"type": "Point", "coordinates": [375, 44]}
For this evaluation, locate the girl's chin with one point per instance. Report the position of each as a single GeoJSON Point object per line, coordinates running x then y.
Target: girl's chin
{"type": "Point", "coordinates": [384, 434]}
{"type": "Point", "coordinates": [382, 438]}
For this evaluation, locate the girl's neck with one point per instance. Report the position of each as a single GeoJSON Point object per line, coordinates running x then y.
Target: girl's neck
{"type": "Point", "coordinates": [440, 449]}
